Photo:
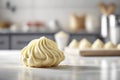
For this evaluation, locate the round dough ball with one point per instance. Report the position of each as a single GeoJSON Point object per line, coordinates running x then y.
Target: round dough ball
{"type": "Point", "coordinates": [98, 44]}
{"type": "Point", "coordinates": [41, 52]}
{"type": "Point", "coordinates": [118, 46]}
{"type": "Point", "coordinates": [84, 44]}
{"type": "Point", "coordinates": [73, 44]}
{"type": "Point", "coordinates": [109, 45]}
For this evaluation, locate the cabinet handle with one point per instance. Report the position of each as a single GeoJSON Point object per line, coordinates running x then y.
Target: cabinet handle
{"type": "Point", "coordinates": [23, 42]}
{"type": "Point", "coordinates": [2, 42]}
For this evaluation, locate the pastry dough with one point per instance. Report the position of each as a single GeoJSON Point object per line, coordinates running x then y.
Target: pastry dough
{"type": "Point", "coordinates": [61, 34]}
{"type": "Point", "coordinates": [98, 44]}
{"type": "Point", "coordinates": [84, 43]}
{"type": "Point", "coordinates": [109, 45]}
{"type": "Point", "coordinates": [73, 44]}
{"type": "Point", "coordinates": [41, 52]}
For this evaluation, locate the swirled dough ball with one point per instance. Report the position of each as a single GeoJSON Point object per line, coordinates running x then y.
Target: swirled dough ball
{"type": "Point", "coordinates": [109, 45]}
{"type": "Point", "coordinates": [118, 46]}
{"type": "Point", "coordinates": [73, 44]}
{"type": "Point", "coordinates": [98, 44]}
{"type": "Point", "coordinates": [84, 44]}
{"type": "Point", "coordinates": [41, 52]}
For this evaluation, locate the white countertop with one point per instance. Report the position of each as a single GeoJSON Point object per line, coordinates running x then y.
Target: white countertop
{"type": "Point", "coordinates": [11, 69]}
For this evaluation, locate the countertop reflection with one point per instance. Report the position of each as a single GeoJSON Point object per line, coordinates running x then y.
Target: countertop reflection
{"type": "Point", "coordinates": [62, 72]}
{"type": "Point", "coordinates": [11, 69]}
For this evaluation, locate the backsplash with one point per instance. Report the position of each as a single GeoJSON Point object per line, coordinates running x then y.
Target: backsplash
{"type": "Point", "coordinates": [46, 10]}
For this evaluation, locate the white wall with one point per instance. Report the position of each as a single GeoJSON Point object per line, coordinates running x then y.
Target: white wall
{"type": "Point", "coordinates": [46, 10]}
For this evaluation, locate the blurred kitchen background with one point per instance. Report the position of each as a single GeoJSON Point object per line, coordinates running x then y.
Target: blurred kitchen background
{"type": "Point", "coordinates": [24, 20]}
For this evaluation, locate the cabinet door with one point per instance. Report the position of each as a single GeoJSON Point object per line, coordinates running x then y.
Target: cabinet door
{"type": "Point", "coordinates": [90, 38]}
{"type": "Point", "coordinates": [20, 41]}
{"type": "Point", "coordinates": [4, 42]}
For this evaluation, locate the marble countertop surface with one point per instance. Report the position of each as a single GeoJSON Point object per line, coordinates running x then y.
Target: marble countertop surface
{"type": "Point", "coordinates": [11, 69]}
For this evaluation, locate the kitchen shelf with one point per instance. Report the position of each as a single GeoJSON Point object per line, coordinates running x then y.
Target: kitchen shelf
{"type": "Point", "coordinates": [71, 33]}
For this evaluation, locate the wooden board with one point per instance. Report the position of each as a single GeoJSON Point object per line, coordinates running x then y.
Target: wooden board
{"type": "Point", "coordinates": [94, 52]}
{"type": "Point", "coordinates": [113, 52]}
